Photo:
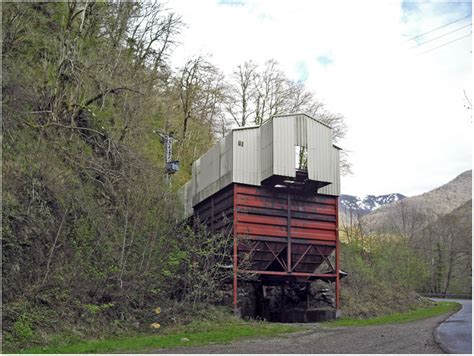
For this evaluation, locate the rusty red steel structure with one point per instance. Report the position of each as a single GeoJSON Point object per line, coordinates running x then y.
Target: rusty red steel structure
{"type": "Point", "coordinates": [283, 234]}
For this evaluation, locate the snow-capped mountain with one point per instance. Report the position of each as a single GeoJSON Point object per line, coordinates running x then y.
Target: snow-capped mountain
{"type": "Point", "coordinates": [368, 204]}
{"type": "Point", "coordinates": [421, 209]}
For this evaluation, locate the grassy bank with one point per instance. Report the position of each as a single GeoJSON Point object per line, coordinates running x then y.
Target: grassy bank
{"type": "Point", "coordinates": [405, 317]}
{"type": "Point", "coordinates": [194, 334]}
{"type": "Point", "coordinates": [210, 332]}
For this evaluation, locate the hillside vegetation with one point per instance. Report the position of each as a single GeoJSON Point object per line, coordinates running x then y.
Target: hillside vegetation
{"type": "Point", "coordinates": [90, 244]}
{"type": "Point", "coordinates": [447, 244]}
{"type": "Point", "coordinates": [436, 226]}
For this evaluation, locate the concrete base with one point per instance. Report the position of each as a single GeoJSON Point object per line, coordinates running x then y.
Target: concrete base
{"type": "Point", "coordinates": [237, 312]}
{"type": "Point", "coordinates": [305, 316]}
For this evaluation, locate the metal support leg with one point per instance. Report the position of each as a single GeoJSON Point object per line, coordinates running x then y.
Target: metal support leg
{"type": "Point", "coordinates": [307, 295]}
{"type": "Point", "coordinates": [288, 227]}
{"type": "Point", "coordinates": [337, 294]}
{"type": "Point", "coordinates": [235, 303]}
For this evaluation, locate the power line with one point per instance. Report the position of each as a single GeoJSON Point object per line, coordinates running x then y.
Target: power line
{"type": "Point", "coordinates": [437, 28]}
{"type": "Point", "coordinates": [448, 33]}
{"type": "Point", "coordinates": [445, 44]}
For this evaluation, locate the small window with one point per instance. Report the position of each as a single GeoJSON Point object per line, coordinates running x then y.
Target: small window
{"type": "Point", "coordinates": [301, 158]}
{"type": "Point", "coordinates": [240, 143]}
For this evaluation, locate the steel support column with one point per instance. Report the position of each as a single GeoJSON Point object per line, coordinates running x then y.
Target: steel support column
{"type": "Point", "coordinates": [337, 256]}
{"type": "Point", "coordinates": [236, 308]}
{"type": "Point", "coordinates": [288, 226]}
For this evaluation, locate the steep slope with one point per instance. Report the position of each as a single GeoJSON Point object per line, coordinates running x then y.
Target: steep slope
{"type": "Point", "coordinates": [413, 213]}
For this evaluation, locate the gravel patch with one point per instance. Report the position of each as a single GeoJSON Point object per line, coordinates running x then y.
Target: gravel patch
{"type": "Point", "coordinates": [414, 337]}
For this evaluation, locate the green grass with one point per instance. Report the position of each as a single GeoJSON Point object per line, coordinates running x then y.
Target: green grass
{"type": "Point", "coordinates": [218, 332]}
{"type": "Point", "coordinates": [197, 333]}
{"type": "Point", "coordinates": [396, 318]}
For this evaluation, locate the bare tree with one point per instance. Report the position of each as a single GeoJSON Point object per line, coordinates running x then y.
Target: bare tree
{"type": "Point", "coordinates": [240, 93]}
{"type": "Point", "coordinates": [201, 92]}
{"type": "Point", "coordinates": [151, 31]}
{"type": "Point", "coordinates": [407, 220]}
{"type": "Point", "coordinates": [256, 93]}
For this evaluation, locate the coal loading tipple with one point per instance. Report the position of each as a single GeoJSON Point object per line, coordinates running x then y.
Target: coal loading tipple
{"type": "Point", "coordinates": [275, 188]}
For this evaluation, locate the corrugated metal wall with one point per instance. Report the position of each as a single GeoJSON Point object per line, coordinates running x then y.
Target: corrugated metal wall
{"type": "Point", "coordinates": [226, 155]}
{"type": "Point", "coordinates": [320, 162]}
{"type": "Point", "coordinates": [301, 130]}
{"type": "Point", "coordinates": [213, 170]}
{"type": "Point", "coordinates": [209, 168]}
{"type": "Point", "coordinates": [266, 150]}
{"type": "Point", "coordinates": [335, 187]}
{"type": "Point", "coordinates": [266, 218]}
{"type": "Point", "coordinates": [246, 165]}
{"type": "Point", "coordinates": [284, 146]}
{"type": "Point", "coordinates": [251, 155]}
{"type": "Point", "coordinates": [195, 176]}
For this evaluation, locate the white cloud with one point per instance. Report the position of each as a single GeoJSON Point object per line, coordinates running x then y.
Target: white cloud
{"type": "Point", "coordinates": [408, 129]}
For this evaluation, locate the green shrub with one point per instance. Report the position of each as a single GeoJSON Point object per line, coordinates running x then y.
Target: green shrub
{"type": "Point", "coordinates": [384, 275]}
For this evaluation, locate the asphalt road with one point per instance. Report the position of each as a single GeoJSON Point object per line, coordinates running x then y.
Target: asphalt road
{"type": "Point", "coordinates": [455, 334]}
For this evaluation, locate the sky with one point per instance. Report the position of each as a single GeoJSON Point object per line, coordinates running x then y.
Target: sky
{"type": "Point", "coordinates": [403, 99]}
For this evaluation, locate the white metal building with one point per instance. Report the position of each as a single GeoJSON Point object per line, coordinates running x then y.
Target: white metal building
{"type": "Point", "coordinates": [266, 155]}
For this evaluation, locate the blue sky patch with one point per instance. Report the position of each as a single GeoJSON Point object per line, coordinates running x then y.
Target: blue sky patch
{"type": "Point", "coordinates": [324, 60]}
{"type": "Point", "coordinates": [419, 12]}
{"type": "Point", "coordinates": [302, 70]}
{"type": "Point", "coordinates": [454, 8]}
{"type": "Point", "coordinates": [231, 2]}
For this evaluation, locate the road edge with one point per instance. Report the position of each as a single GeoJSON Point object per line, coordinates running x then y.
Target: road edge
{"type": "Point", "coordinates": [436, 336]}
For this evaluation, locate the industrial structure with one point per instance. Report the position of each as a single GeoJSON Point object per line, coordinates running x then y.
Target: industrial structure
{"type": "Point", "coordinates": [276, 188]}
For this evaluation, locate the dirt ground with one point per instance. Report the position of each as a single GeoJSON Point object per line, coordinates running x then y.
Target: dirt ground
{"type": "Point", "coordinates": [415, 337]}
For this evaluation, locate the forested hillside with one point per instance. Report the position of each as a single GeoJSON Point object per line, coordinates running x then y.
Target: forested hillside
{"type": "Point", "coordinates": [436, 226]}
{"type": "Point", "coordinates": [91, 247]}
{"type": "Point", "coordinates": [413, 213]}
{"type": "Point", "coordinates": [89, 241]}
{"type": "Point", "coordinates": [447, 244]}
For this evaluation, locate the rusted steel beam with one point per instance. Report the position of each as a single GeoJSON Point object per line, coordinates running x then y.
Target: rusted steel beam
{"type": "Point", "coordinates": [264, 219]}
{"type": "Point", "coordinates": [301, 257]}
{"type": "Point", "coordinates": [282, 263]}
{"type": "Point", "coordinates": [235, 251]}
{"type": "Point", "coordinates": [283, 273]}
{"type": "Point", "coordinates": [282, 213]}
{"type": "Point", "coordinates": [281, 231]}
{"type": "Point", "coordinates": [271, 193]}
{"type": "Point", "coordinates": [253, 248]}
{"type": "Point", "coordinates": [337, 256]}
{"type": "Point", "coordinates": [281, 219]}
{"type": "Point", "coordinates": [325, 259]}
{"type": "Point", "coordinates": [293, 240]}
{"type": "Point", "coordinates": [288, 227]}
{"type": "Point", "coordinates": [268, 203]}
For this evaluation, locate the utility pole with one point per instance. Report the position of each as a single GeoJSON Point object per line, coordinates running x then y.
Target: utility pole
{"type": "Point", "coordinates": [171, 166]}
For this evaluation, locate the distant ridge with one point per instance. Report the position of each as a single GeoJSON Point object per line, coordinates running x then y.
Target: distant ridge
{"type": "Point", "coordinates": [418, 211]}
